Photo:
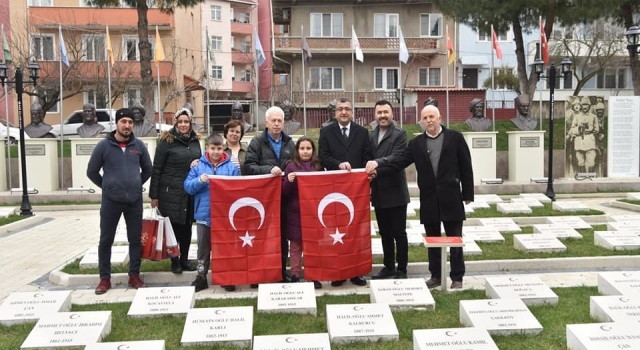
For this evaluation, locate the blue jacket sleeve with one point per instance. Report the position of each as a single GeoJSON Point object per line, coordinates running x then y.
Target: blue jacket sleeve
{"type": "Point", "coordinates": [192, 184]}
{"type": "Point", "coordinates": [95, 164]}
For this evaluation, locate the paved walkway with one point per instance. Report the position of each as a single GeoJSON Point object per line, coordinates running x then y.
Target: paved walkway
{"type": "Point", "coordinates": [29, 255]}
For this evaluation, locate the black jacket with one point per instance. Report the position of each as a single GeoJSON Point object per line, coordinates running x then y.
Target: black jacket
{"type": "Point", "coordinates": [171, 165]}
{"type": "Point", "coordinates": [261, 157]}
{"type": "Point", "coordinates": [123, 172]}
{"type": "Point", "coordinates": [389, 188]}
{"type": "Point", "coordinates": [333, 149]}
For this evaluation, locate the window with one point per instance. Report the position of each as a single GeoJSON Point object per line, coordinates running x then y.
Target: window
{"type": "Point", "coordinates": [246, 76]}
{"type": "Point", "coordinates": [42, 47]}
{"type": "Point", "coordinates": [216, 43]}
{"type": "Point", "coordinates": [216, 72]}
{"type": "Point", "coordinates": [131, 50]}
{"type": "Point", "coordinates": [93, 46]}
{"type": "Point", "coordinates": [150, 4]}
{"type": "Point", "coordinates": [246, 46]}
{"type": "Point", "coordinates": [484, 35]}
{"type": "Point", "coordinates": [133, 95]}
{"type": "Point", "coordinates": [326, 24]}
{"type": "Point", "coordinates": [431, 24]}
{"type": "Point", "coordinates": [40, 2]}
{"type": "Point", "coordinates": [429, 77]}
{"type": "Point", "coordinates": [97, 98]}
{"type": "Point", "coordinates": [385, 78]}
{"type": "Point", "coordinates": [385, 25]}
{"type": "Point", "coordinates": [216, 13]}
{"type": "Point", "coordinates": [282, 79]}
{"type": "Point", "coordinates": [326, 78]}
{"type": "Point", "coordinates": [560, 33]}
{"type": "Point", "coordinates": [612, 78]}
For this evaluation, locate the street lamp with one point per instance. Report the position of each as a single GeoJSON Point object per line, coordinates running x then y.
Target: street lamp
{"type": "Point", "coordinates": [633, 40]}
{"type": "Point", "coordinates": [25, 207]}
{"type": "Point", "coordinates": [538, 68]}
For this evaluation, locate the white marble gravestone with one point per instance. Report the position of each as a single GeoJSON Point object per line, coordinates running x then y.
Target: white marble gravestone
{"type": "Point", "coordinates": [319, 341]}
{"type": "Point", "coordinates": [540, 197]}
{"type": "Point", "coordinates": [630, 226]}
{"type": "Point", "coordinates": [616, 240]}
{"type": "Point", "coordinates": [488, 198]}
{"type": "Point", "coordinates": [615, 308]}
{"type": "Point", "coordinates": [128, 345]}
{"type": "Point", "coordinates": [513, 208]}
{"type": "Point", "coordinates": [501, 224]}
{"type": "Point", "coordinates": [619, 283]}
{"type": "Point", "coordinates": [468, 209]}
{"type": "Point", "coordinates": [414, 237]}
{"type": "Point", "coordinates": [162, 301]}
{"type": "Point", "coordinates": [482, 234]}
{"type": "Point", "coordinates": [470, 247]}
{"type": "Point", "coordinates": [27, 307]}
{"type": "Point", "coordinates": [121, 238]}
{"type": "Point", "coordinates": [538, 243]}
{"type": "Point", "coordinates": [572, 221]}
{"type": "Point", "coordinates": [499, 316]}
{"type": "Point", "coordinates": [479, 205]}
{"type": "Point", "coordinates": [360, 323]}
{"type": "Point", "coordinates": [193, 252]}
{"type": "Point", "coordinates": [69, 330]}
{"type": "Point", "coordinates": [559, 231]}
{"type": "Point", "coordinates": [401, 293]}
{"type": "Point", "coordinates": [287, 298]}
{"type": "Point", "coordinates": [529, 202]}
{"type": "Point", "coordinates": [633, 196]}
{"type": "Point", "coordinates": [374, 228]}
{"type": "Point", "coordinates": [453, 339]}
{"type": "Point", "coordinates": [376, 247]}
{"type": "Point", "coordinates": [223, 326]}
{"type": "Point", "coordinates": [603, 336]}
{"type": "Point", "coordinates": [119, 257]}
{"type": "Point", "coordinates": [569, 206]}
{"type": "Point", "coordinates": [631, 217]}
{"type": "Point", "coordinates": [530, 289]}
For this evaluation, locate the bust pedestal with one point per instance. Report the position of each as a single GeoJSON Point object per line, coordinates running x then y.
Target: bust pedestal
{"type": "Point", "coordinates": [3, 167]}
{"type": "Point", "coordinates": [81, 149]}
{"type": "Point", "coordinates": [482, 145]}
{"type": "Point", "coordinates": [526, 155]}
{"type": "Point", "coordinates": [42, 164]}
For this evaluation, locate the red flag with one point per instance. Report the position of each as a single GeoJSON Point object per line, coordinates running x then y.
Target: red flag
{"type": "Point", "coordinates": [451, 54]}
{"type": "Point", "coordinates": [336, 224]}
{"type": "Point", "coordinates": [496, 44]}
{"type": "Point", "coordinates": [544, 46]}
{"type": "Point", "coordinates": [245, 229]}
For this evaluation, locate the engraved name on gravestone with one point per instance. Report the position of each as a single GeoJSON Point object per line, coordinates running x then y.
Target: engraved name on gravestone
{"type": "Point", "coordinates": [603, 336]}
{"type": "Point", "coordinates": [162, 301]}
{"type": "Point", "coordinates": [617, 240]}
{"type": "Point", "coordinates": [119, 257]}
{"type": "Point", "coordinates": [224, 326]}
{"type": "Point", "coordinates": [315, 341]}
{"type": "Point", "coordinates": [571, 221]}
{"type": "Point", "coordinates": [360, 323]}
{"type": "Point", "coordinates": [69, 330]}
{"type": "Point", "coordinates": [482, 234]}
{"type": "Point", "coordinates": [287, 298]}
{"type": "Point", "coordinates": [499, 316]}
{"type": "Point", "coordinates": [513, 208]}
{"type": "Point", "coordinates": [128, 345]}
{"type": "Point", "coordinates": [615, 308]}
{"type": "Point", "coordinates": [619, 283]}
{"type": "Point", "coordinates": [401, 293]}
{"type": "Point", "coordinates": [501, 224]}
{"type": "Point", "coordinates": [629, 226]}
{"type": "Point", "coordinates": [453, 339]}
{"type": "Point", "coordinates": [560, 231]}
{"type": "Point", "coordinates": [27, 307]}
{"type": "Point", "coordinates": [625, 217]}
{"type": "Point", "coordinates": [530, 289]}
{"type": "Point", "coordinates": [538, 243]}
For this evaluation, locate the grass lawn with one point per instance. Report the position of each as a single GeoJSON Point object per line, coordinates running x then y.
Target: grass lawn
{"type": "Point", "coordinates": [11, 218]}
{"type": "Point", "coordinates": [573, 307]}
{"type": "Point", "coordinates": [629, 201]}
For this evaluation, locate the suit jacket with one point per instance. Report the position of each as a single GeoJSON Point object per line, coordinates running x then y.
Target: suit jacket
{"type": "Point", "coordinates": [441, 196]}
{"type": "Point", "coordinates": [333, 149]}
{"type": "Point", "coordinates": [389, 188]}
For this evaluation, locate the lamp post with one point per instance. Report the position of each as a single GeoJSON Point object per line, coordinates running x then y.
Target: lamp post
{"type": "Point", "coordinates": [633, 40]}
{"type": "Point", "coordinates": [25, 207]}
{"type": "Point", "coordinates": [538, 67]}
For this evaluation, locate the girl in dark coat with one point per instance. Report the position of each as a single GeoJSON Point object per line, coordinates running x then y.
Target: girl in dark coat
{"type": "Point", "coordinates": [305, 158]}
{"type": "Point", "coordinates": [176, 149]}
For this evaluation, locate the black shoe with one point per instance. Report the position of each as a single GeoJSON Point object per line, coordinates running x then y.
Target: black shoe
{"type": "Point", "coordinates": [400, 275]}
{"type": "Point", "coordinates": [186, 266]}
{"type": "Point", "coordinates": [254, 285]}
{"type": "Point", "coordinates": [175, 266]}
{"type": "Point", "coordinates": [229, 288]}
{"type": "Point", "coordinates": [200, 283]}
{"type": "Point", "coordinates": [359, 281]}
{"type": "Point", "coordinates": [433, 282]}
{"type": "Point", "coordinates": [337, 283]}
{"type": "Point", "coordinates": [295, 279]}
{"type": "Point", "coordinates": [384, 273]}
{"type": "Point", "coordinates": [317, 285]}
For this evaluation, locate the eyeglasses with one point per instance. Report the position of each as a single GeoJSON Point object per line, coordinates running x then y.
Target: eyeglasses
{"type": "Point", "coordinates": [345, 109]}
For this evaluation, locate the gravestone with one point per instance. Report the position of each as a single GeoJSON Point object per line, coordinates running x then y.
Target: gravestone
{"type": "Point", "coordinates": [501, 224]}
{"type": "Point", "coordinates": [603, 336]}
{"type": "Point", "coordinates": [574, 222]}
{"type": "Point", "coordinates": [194, 234]}
{"type": "Point", "coordinates": [414, 237]}
{"type": "Point", "coordinates": [193, 252]}
{"type": "Point", "coordinates": [529, 202]}
{"type": "Point", "coordinates": [530, 289]}
{"type": "Point", "coordinates": [482, 234]}
{"type": "Point", "coordinates": [559, 231]}
{"type": "Point", "coordinates": [615, 308]}
{"type": "Point", "coordinates": [69, 330]}
{"type": "Point", "coordinates": [513, 208]}
{"type": "Point", "coordinates": [540, 197]}
{"type": "Point", "coordinates": [174, 301]}
{"type": "Point", "coordinates": [402, 293]}
{"type": "Point", "coordinates": [568, 206]}
{"type": "Point", "coordinates": [616, 240]}
{"type": "Point", "coordinates": [319, 341]}
{"type": "Point", "coordinates": [453, 339]}
{"type": "Point", "coordinates": [538, 243]}
{"type": "Point", "coordinates": [374, 228]}
{"type": "Point", "coordinates": [633, 196]}
{"type": "Point", "coordinates": [121, 238]}
{"type": "Point", "coordinates": [221, 326]}
{"type": "Point", "coordinates": [629, 226]}
{"type": "Point", "coordinates": [468, 209]}
{"type": "Point", "coordinates": [287, 298]}
{"type": "Point", "coordinates": [128, 345]}
{"type": "Point", "coordinates": [376, 247]}
{"type": "Point", "coordinates": [479, 205]}
{"type": "Point", "coordinates": [619, 283]}
{"type": "Point", "coordinates": [5, 212]}
{"type": "Point", "coordinates": [417, 226]}
{"type": "Point", "coordinates": [360, 323]}
{"type": "Point", "coordinates": [625, 217]}
{"type": "Point", "coordinates": [119, 257]}
{"type": "Point", "coordinates": [28, 307]}
{"type": "Point", "coordinates": [470, 247]}
{"type": "Point", "coordinates": [487, 198]}
{"type": "Point", "coordinates": [499, 316]}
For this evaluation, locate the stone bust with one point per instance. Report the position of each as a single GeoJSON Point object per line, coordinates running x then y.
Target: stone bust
{"type": "Point", "coordinates": [237, 113]}
{"type": "Point", "coordinates": [142, 127]}
{"type": "Point", "coordinates": [477, 121]}
{"type": "Point", "coordinates": [290, 124]}
{"type": "Point", "coordinates": [522, 119]}
{"type": "Point", "coordinates": [37, 128]}
{"type": "Point", "coordinates": [331, 109]}
{"type": "Point", "coordinates": [90, 126]}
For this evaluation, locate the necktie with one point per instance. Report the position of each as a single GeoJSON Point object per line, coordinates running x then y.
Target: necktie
{"type": "Point", "coordinates": [344, 133]}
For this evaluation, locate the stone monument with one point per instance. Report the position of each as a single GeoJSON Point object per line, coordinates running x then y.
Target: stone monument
{"type": "Point", "coordinates": [38, 128]}
{"type": "Point", "coordinates": [522, 119]}
{"type": "Point", "coordinates": [90, 126]}
{"type": "Point", "coordinates": [331, 108]}
{"type": "Point", "coordinates": [142, 127]}
{"type": "Point", "coordinates": [237, 112]}
{"type": "Point", "coordinates": [290, 124]}
{"type": "Point", "coordinates": [477, 121]}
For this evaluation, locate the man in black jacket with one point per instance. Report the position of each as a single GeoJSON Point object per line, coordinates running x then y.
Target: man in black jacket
{"type": "Point", "coordinates": [126, 165]}
{"type": "Point", "coordinates": [268, 153]}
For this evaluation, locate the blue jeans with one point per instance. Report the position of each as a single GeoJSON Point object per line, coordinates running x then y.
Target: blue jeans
{"type": "Point", "coordinates": [110, 212]}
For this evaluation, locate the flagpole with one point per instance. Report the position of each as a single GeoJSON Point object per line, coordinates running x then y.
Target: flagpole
{"type": "Point", "coordinates": [208, 69]}
{"type": "Point", "coordinates": [61, 109]}
{"type": "Point", "coordinates": [304, 84]}
{"type": "Point", "coordinates": [158, 71]}
{"type": "Point", "coordinates": [447, 77]}
{"type": "Point", "coordinates": [256, 67]}
{"type": "Point", "coordinates": [6, 107]}
{"type": "Point", "coordinates": [353, 74]}
{"type": "Point", "coordinates": [400, 85]}
{"type": "Point", "coordinates": [493, 99]}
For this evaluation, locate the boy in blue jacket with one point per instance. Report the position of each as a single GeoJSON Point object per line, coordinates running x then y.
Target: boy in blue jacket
{"type": "Point", "coordinates": [213, 162]}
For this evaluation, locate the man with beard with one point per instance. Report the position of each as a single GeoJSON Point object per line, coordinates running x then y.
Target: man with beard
{"type": "Point", "coordinates": [38, 128]}
{"type": "Point", "coordinates": [90, 126]}
{"type": "Point", "coordinates": [584, 127]}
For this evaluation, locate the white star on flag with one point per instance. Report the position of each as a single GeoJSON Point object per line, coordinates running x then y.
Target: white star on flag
{"type": "Point", "coordinates": [337, 237]}
{"type": "Point", "coordinates": [246, 239]}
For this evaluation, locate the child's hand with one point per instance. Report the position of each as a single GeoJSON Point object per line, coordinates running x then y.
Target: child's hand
{"type": "Point", "coordinates": [291, 177]}
{"type": "Point", "coordinates": [204, 178]}
{"type": "Point", "coordinates": [194, 163]}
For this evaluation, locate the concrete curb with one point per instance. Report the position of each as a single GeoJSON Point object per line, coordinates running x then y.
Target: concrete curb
{"type": "Point", "coordinates": [623, 205]}
{"type": "Point", "coordinates": [18, 225]}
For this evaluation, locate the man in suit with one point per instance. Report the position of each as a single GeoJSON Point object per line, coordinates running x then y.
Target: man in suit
{"type": "Point", "coordinates": [389, 193]}
{"type": "Point", "coordinates": [344, 145]}
{"type": "Point", "coordinates": [445, 180]}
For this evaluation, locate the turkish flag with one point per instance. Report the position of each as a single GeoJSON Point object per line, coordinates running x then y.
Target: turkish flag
{"type": "Point", "coordinates": [245, 229]}
{"type": "Point", "coordinates": [544, 45]}
{"type": "Point", "coordinates": [496, 44]}
{"type": "Point", "coordinates": [336, 224]}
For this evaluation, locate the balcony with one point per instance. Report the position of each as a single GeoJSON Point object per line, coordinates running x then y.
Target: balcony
{"type": "Point", "coordinates": [322, 98]}
{"type": "Point", "coordinates": [50, 17]}
{"type": "Point", "coordinates": [241, 57]}
{"type": "Point", "coordinates": [89, 70]}
{"type": "Point", "coordinates": [369, 45]}
{"type": "Point", "coordinates": [242, 87]}
{"type": "Point", "coordinates": [241, 28]}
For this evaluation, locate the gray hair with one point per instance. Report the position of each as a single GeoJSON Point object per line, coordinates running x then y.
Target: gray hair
{"type": "Point", "coordinates": [274, 110]}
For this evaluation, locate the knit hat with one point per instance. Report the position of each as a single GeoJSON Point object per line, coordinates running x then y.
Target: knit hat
{"type": "Point", "coordinates": [123, 113]}
{"type": "Point", "coordinates": [182, 111]}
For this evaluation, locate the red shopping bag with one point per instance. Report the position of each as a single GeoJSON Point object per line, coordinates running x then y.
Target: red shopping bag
{"type": "Point", "coordinates": [149, 234]}
{"type": "Point", "coordinates": [159, 249]}
{"type": "Point", "coordinates": [171, 243]}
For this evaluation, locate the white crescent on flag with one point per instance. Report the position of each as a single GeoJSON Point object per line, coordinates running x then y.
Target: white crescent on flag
{"type": "Point", "coordinates": [246, 202]}
{"type": "Point", "coordinates": [335, 198]}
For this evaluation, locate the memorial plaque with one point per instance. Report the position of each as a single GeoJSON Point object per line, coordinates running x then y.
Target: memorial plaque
{"type": "Point", "coordinates": [499, 316]}
{"type": "Point", "coordinates": [560, 231]}
{"type": "Point", "coordinates": [481, 142]}
{"type": "Point", "coordinates": [376, 247]}
{"type": "Point", "coordinates": [501, 224]}
{"type": "Point", "coordinates": [470, 247]}
{"type": "Point", "coordinates": [629, 226]}
{"type": "Point", "coordinates": [31, 306]}
{"type": "Point", "coordinates": [470, 338]}
{"type": "Point", "coordinates": [193, 252]}
{"type": "Point", "coordinates": [162, 301]}
{"type": "Point", "coordinates": [417, 226]}
{"type": "Point", "coordinates": [617, 240]}
{"type": "Point", "coordinates": [194, 234]}
{"type": "Point", "coordinates": [529, 202]}
{"type": "Point", "coordinates": [414, 237]}
{"type": "Point", "coordinates": [487, 198]}
{"type": "Point", "coordinates": [538, 243]}
{"type": "Point", "coordinates": [287, 298]}
{"type": "Point", "coordinates": [571, 221]}
{"type": "Point", "coordinates": [513, 208]}
{"type": "Point", "coordinates": [128, 345]}
{"type": "Point", "coordinates": [69, 330]}
{"type": "Point", "coordinates": [623, 308]}
{"type": "Point", "coordinates": [84, 149]}
{"type": "Point", "coordinates": [537, 196]}
{"type": "Point", "coordinates": [223, 326]}
{"type": "Point", "coordinates": [120, 238]}
{"type": "Point", "coordinates": [482, 234]}
{"type": "Point", "coordinates": [529, 142]}
{"type": "Point", "coordinates": [310, 341]}
{"type": "Point", "coordinates": [119, 257]}
{"type": "Point", "coordinates": [360, 323]}
{"type": "Point", "coordinates": [401, 293]}
{"type": "Point", "coordinates": [478, 205]}
{"type": "Point", "coordinates": [34, 150]}
{"type": "Point", "coordinates": [569, 206]}
{"type": "Point", "coordinates": [623, 218]}
{"type": "Point", "coordinates": [619, 283]}
{"type": "Point", "coordinates": [530, 289]}
{"type": "Point", "coordinates": [603, 336]}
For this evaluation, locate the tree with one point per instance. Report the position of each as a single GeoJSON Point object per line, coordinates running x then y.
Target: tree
{"type": "Point", "coordinates": [627, 11]}
{"type": "Point", "coordinates": [504, 78]}
{"type": "Point", "coordinates": [142, 8]}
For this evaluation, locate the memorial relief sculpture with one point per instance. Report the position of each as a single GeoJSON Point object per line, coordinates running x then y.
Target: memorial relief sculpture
{"type": "Point", "coordinates": [90, 127]}
{"type": "Point", "coordinates": [477, 121]}
{"type": "Point", "coordinates": [38, 128]}
{"type": "Point", "coordinates": [142, 127]}
{"type": "Point", "coordinates": [522, 119]}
